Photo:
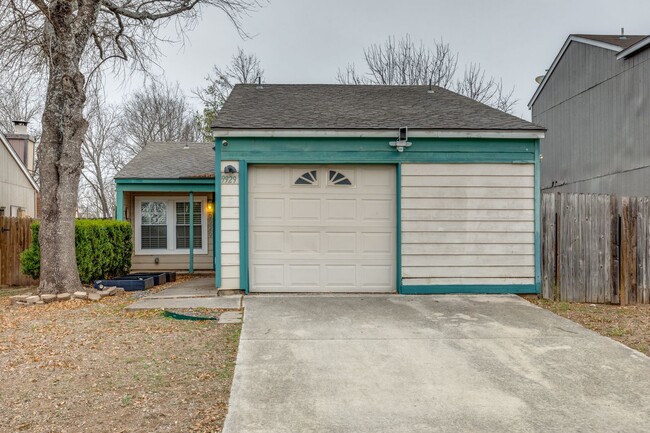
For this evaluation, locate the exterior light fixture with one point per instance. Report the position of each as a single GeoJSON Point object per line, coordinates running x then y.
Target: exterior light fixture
{"type": "Point", "coordinates": [402, 140]}
{"type": "Point", "coordinates": [230, 169]}
{"type": "Point", "coordinates": [209, 207]}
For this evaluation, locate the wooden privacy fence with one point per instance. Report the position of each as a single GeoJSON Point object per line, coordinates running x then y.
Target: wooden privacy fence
{"type": "Point", "coordinates": [595, 248]}
{"type": "Point", "coordinates": [15, 236]}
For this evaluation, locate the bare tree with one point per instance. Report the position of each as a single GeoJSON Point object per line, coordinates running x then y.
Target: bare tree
{"type": "Point", "coordinates": [488, 90]}
{"type": "Point", "coordinates": [70, 41]}
{"type": "Point", "coordinates": [403, 62]}
{"type": "Point", "coordinates": [243, 69]}
{"type": "Point", "coordinates": [21, 99]}
{"type": "Point", "coordinates": [158, 112]}
{"type": "Point", "coordinates": [102, 155]}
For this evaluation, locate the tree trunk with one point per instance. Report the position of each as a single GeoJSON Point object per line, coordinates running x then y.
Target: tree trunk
{"type": "Point", "coordinates": [61, 162]}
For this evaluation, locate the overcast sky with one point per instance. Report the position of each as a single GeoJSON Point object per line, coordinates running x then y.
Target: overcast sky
{"type": "Point", "coordinates": [307, 41]}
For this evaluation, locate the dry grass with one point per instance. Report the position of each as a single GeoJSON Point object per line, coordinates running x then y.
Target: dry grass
{"type": "Point", "coordinates": [92, 367]}
{"type": "Point", "coordinates": [630, 324]}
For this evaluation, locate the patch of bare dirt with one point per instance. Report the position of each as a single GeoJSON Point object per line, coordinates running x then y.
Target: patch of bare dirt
{"type": "Point", "coordinates": [80, 366]}
{"type": "Point", "coordinates": [628, 324]}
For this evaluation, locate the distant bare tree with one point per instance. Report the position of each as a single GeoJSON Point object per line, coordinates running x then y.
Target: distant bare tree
{"type": "Point", "coordinates": [102, 154]}
{"type": "Point", "coordinates": [21, 99]}
{"type": "Point", "coordinates": [488, 90]}
{"type": "Point", "coordinates": [243, 69]}
{"type": "Point", "coordinates": [403, 62]}
{"type": "Point", "coordinates": [69, 42]}
{"type": "Point", "coordinates": [158, 112]}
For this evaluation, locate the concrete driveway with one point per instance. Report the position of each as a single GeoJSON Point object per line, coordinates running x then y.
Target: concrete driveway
{"type": "Point", "coordinates": [429, 364]}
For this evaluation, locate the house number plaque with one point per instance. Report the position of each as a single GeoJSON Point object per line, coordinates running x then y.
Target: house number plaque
{"type": "Point", "coordinates": [229, 179]}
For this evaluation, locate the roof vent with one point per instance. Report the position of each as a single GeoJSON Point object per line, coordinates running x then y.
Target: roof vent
{"type": "Point", "coordinates": [186, 146]}
{"type": "Point", "coordinates": [622, 33]}
{"type": "Point", "coordinates": [259, 83]}
{"type": "Point", "coordinates": [430, 86]}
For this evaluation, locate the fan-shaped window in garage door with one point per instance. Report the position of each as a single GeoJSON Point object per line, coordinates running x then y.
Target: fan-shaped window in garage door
{"type": "Point", "coordinates": [338, 178]}
{"type": "Point", "coordinates": [307, 178]}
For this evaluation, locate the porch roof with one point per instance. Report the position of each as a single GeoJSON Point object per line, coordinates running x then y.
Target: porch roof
{"type": "Point", "coordinates": [171, 161]}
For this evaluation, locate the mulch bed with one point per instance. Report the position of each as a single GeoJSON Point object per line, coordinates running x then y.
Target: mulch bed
{"type": "Point", "coordinates": [81, 366]}
{"type": "Point", "coordinates": [629, 324]}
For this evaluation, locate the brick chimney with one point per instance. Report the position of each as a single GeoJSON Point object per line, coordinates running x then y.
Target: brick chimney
{"type": "Point", "coordinates": [23, 144]}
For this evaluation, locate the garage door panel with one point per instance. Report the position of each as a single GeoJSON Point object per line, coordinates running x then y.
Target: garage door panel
{"type": "Point", "coordinates": [306, 275]}
{"type": "Point", "coordinates": [305, 209]}
{"type": "Point", "coordinates": [340, 276]}
{"type": "Point", "coordinates": [267, 275]}
{"type": "Point", "coordinates": [340, 242]}
{"type": "Point", "coordinates": [304, 242]}
{"type": "Point", "coordinates": [341, 209]}
{"type": "Point", "coordinates": [325, 236]}
{"type": "Point", "coordinates": [376, 243]}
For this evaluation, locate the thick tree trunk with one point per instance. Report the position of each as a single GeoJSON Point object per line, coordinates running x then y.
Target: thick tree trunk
{"type": "Point", "coordinates": [61, 162]}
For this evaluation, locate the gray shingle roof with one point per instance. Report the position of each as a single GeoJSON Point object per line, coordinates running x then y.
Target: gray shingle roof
{"type": "Point", "coordinates": [336, 106]}
{"type": "Point", "coordinates": [170, 161]}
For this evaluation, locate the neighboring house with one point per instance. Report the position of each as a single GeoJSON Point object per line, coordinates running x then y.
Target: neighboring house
{"type": "Point", "coordinates": [595, 102]}
{"type": "Point", "coordinates": [18, 190]}
{"type": "Point", "coordinates": [317, 192]}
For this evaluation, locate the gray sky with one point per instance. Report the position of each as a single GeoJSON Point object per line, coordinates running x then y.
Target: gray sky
{"type": "Point", "coordinates": [307, 41]}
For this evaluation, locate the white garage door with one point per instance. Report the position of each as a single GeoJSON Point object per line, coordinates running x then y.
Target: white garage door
{"type": "Point", "coordinates": [322, 228]}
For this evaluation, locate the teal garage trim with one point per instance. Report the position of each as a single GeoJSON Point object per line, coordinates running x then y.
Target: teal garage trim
{"type": "Point", "coordinates": [270, 150]}
{"type": "Point", "coordinates": [467, 288]}
{"type": "Point", "coordinates": [243, 226]}
{"type": "Point", "coordinates": [217, 213]}
{"type": "Point", "coordinates": [398, 233]}
{"type": "Point", "coordinates": [538, 221]}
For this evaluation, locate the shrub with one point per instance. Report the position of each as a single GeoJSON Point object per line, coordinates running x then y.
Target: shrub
{"type": "Point", "coordinates": [103, 249]}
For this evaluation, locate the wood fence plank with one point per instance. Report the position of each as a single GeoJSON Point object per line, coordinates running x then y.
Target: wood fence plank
{"type": "Point", "coordinates": [548, 246]}
{"type": "Point", "coordinates": [614, 294]}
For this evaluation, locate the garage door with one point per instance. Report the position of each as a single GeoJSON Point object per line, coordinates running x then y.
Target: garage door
{"type": "Point", "coordinates": [322, 228]}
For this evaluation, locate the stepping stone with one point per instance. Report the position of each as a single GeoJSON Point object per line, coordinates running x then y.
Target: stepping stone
{"type": "Point", "coordinates": [94, 296]}
{"type": "Point", "coordinates": [63, 296]}
{"type": "Point", "coordinates": [48, 298]}
{"type": "Point", "coordinates": [32, 299]}
{"type": "Point", "coordinates": [80, 295]}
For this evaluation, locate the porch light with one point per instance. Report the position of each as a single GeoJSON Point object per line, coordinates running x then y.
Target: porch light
{"type": "Point", "coordinates": [209, 207]}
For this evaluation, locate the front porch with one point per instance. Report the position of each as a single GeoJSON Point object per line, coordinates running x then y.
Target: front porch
{"type": "Point", "coordinates": [167, 235]}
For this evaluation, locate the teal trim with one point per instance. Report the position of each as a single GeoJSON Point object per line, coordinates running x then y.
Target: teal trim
{"type": "Point", "coordinates": [143, 187]}
{"type": "Point", "coordinates": [119, 203]}
{"type": "Point", "coordinates": [271, 150]}
{"type": "Point", "coordinates": [217, 213]}
{"type": "Point", "coordinates": [243, 226]}
{"type": "Point", "coordinates": [197, 181]}
{"type": "Point", "coordinates": [398, 219]}
{"type": "Point", "coordinates": [474, 288]}
{"type": "Point", "coordinates": [538, 219]}
{"type": "Point", "coordinates": [191, 268]}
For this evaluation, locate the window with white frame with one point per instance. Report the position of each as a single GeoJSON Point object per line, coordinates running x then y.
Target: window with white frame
{"type": "Point", "coordinates": [163, 225]}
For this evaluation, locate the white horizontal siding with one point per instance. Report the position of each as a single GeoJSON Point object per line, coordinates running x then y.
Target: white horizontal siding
{"type": "Point", "coordinates": [230, 232]}
{"type": "Point", "coordinates": [467, 224]}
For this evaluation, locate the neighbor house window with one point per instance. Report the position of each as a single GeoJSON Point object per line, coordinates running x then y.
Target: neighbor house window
{"type": "Point", "coordinates": [162, 225]}
{"type": "Point", "coordinates": [183, 225]}
{"type": "Point", "coordinates": [153, 225]}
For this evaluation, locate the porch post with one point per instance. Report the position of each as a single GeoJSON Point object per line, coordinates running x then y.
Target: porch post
{"type": "Point", "coordinates": [191, 232]}
{"type": "Point", "coordinates": [119, 204]}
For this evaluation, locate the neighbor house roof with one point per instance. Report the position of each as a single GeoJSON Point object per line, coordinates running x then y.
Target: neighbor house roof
{"type": "Point", "coordinates": [171, 161]}
{"type": "Point", "coordinates": [18, 161]}
{"type": "Point", "coordinates": [621, 41]}
{"type": "Point", "coordinates": [624, 45]}
{"type": "Point", "coordinates": [358, 107]}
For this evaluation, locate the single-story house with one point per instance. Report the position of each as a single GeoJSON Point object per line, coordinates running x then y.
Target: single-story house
{"type": "Point", "coordinates": [345, 188]}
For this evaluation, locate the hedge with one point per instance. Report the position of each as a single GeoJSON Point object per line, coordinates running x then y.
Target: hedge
{"type": "Point", "coordinates": [103, 248]}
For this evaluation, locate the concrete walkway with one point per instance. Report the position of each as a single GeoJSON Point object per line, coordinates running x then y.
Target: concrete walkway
{"type": "Point", "coordinates": [429, 364]}
{"type": "Point", "coordinates": [195, 293]}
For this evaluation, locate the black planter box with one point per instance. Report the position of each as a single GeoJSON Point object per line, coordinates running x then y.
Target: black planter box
{"type": "Point", "coordinates": [158, 277]}
{"type": "Point", "coordinates": [129, 284]}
